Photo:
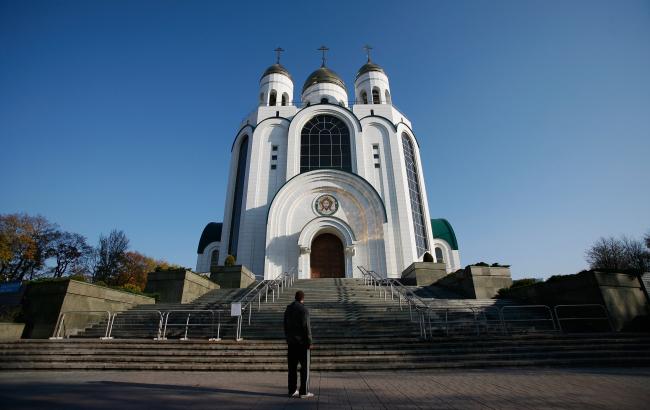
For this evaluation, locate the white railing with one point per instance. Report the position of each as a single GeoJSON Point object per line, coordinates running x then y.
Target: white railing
{"type": "Point", "coordinates": [62, 330]}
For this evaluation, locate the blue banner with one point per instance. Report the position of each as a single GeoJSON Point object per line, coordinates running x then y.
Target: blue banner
{"type": "Point", "coordinates": [10, 287]}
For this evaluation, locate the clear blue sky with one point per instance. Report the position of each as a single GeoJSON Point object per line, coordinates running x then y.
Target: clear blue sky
{"type": "Point", "coordinates": [533, 117]}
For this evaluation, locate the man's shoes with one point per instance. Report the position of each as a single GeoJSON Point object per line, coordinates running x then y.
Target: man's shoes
{"type": "Point", "coordinates": [306, 396]}
{"type": "Point", "coordinates": [295, 394]}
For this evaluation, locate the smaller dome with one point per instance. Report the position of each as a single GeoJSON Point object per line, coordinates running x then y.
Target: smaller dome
{"type": "Point", "coordinates": [276, 69]}
{"type": "Point", "coordinates": [211, 233]}
{"type": "Point", "coordinates": [368, 67]}
{"type": "Point", "coordinates": [323, 75]}
{"type": "Point", "coordinates": [441, 228]}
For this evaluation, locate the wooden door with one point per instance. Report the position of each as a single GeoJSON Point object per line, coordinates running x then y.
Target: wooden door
{"type": "Point", "coordinates": [327, 258]}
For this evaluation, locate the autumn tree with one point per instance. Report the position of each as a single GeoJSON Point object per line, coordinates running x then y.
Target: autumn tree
{"type": "Point", "coordinates": [25, 244]}
{"type": "Point", "coordinates": [136, 268]}
{"type": "Point", "coordinates": [110, 257]}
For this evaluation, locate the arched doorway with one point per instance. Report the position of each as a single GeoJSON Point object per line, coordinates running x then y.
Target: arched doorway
{"type": "Point", "coordinates": [327, 259]}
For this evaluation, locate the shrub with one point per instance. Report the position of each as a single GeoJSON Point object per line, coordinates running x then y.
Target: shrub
{"type": "Point", "coordinates": [130, 287]}
{"type": "Point", "coordinates": [230, 261]}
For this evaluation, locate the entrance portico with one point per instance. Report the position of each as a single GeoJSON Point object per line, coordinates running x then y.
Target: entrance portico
{"type": "Point", "coordinates": [324, 223]}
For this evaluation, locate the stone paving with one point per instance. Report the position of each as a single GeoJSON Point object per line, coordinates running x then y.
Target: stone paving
{"type": "Point", "coordinates": [448, 389]}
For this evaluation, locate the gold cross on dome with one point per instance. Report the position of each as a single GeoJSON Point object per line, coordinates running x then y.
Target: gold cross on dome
{"type": "Point", "coordinates": [277, 54]}
{"type": "Point", "coordinates": [367, 48]}
{"type": "Point", "coordinates": [324, 50]}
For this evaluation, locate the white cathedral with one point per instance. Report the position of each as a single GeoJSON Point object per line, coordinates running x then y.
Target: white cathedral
{"type": "Point", "coordinates": [324, 185]}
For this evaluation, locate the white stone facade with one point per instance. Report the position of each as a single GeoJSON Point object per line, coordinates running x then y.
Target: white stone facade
{"type": "Point", "coordinates": [278, 220]}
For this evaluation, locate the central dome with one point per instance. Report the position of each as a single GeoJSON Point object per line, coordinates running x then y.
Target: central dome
{"type": "Point", "coordinates": [323, 75]}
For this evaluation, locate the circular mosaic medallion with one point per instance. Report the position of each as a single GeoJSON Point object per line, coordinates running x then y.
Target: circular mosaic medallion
{"type": "Point", "coordinates": [326, 205]}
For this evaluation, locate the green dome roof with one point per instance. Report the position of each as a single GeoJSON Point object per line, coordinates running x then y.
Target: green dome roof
{"type": "Point", "coordinates": [441, 228]}
{"type": "Point", "coordinates": [323, 75]}
{"type": "Point", "coordinates": [367, 67]}
{"type": "Point", "coordinates": [276, 69]}
{"type": "Point", "coordinates": [211, 233]}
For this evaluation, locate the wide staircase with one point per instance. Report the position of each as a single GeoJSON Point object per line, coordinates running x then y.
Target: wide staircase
{"type": "Point", "coordinates": [355, 327]}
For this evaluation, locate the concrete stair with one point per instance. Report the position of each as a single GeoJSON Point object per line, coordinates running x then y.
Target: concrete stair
{"type": "Point", "coordinates": [354, 327]}
{"type": "Point", "coordinates": [330, 354]}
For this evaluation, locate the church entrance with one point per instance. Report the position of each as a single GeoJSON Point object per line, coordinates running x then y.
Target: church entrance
{"type": "Point", "coordinates": [327, 259]}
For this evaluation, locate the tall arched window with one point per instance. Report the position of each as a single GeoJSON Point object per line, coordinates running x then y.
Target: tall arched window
{"type": "Point", "coordinates": [214, 259]}
{"type": "Point", "coordinates": [325, 143]}
{"type": "Point", "coordinates": [375, 96]}
{"type": "Point", "coordinates": [364, 97]}
{"type": "Point", "coordinates": [285, 99]}
{"type": "Point", "coordinates": [235, 215]}
{"type": "Point", "coordinates": [273, 98]}
{"type": "Point", "coordinates": [439, 257]}
{"type": "Point", "coordinates": [417, 209]}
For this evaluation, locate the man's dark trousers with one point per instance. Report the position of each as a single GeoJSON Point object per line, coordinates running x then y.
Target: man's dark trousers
{"type": "Point", "coordinates": [297, 353]}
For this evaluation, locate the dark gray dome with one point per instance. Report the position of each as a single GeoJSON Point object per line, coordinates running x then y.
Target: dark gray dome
{"type": "Point", "coordinates": [211, 233]}
{"type": "Point", "coordinates": [369, 66]}
{"type": "Point", "coordinates": [276, 69]}
{"type": "Point", "coordinates": [323, 75]}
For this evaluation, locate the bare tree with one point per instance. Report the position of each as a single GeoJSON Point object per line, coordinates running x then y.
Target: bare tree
{"type": "Point", "coordinates": [111, 256]}
{"type": "Point", "coordinates": [68, 250]}
{"type": "Point", "coordinates": [618, 254]}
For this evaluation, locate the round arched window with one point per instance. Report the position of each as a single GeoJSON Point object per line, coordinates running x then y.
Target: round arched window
{"type": "Point", "coordinates": [325, 143]}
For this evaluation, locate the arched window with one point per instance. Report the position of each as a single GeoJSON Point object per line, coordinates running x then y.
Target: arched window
{"type": "Point", "coordinates": [235, 215]}
{"type": "Point", "coordinates": [285, 99]}
{"type": "Point", "coordinates": [375, 96]}
{"type": "Point", "coordinates": [388, 97]}
{"type": "Point", "coordinates": [364, 97]}
{"type": "Point", "coordinates": [325, 143]}
{"type": "Point", "coordinates": [273, 97]}
{"type": "Point", "coordinates": [324, 101]}
{"type": "Point", "coordinates": [214, 259]}
{"type": "Point", "coordinates": [439, 256]}
{"type": "Point", "coordinates": [417, 209]}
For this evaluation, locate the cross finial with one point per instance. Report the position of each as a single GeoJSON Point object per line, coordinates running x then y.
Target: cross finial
{"type": "Point", "coordinates": [324, 50]}
{"type": "Point", "coordinates": [277, 54]}
{"type": "Point", "coordinates": [367, 48]}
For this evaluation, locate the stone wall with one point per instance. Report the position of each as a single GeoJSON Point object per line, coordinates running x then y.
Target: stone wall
{"type": "Point", "coordinates": [178, 286]}
{"type": "Point", "coordinates": [477, 282]}
{"type": "Point", "coordinates": [621, 294]}
{"type": "Point", "coordinates": [423, 273]}
{"type": "Point", "coordinates": [44, 301]}
{"type": "Point", "coordinates": [11, 331]}
{"type": "Point", "coordinates": [237, 276]}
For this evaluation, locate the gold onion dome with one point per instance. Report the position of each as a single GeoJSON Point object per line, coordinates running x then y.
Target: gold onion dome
{"type": "Point", "coordinates": [368, 67]}
{"type": "Point", "coordinates": [323, 75]}
{"type": "Point", "coordinates": [276, 69]}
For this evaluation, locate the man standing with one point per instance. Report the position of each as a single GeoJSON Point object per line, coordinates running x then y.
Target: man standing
{"type": "Point", "coordinates": [297, 331]}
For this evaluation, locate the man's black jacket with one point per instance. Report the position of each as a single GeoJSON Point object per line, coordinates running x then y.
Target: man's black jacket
{"type": "Point", "coordinates": [296, 324]}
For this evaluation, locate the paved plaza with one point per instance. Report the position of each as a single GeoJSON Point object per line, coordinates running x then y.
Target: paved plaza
{"type": "Point", "coordinates": [448, 389]}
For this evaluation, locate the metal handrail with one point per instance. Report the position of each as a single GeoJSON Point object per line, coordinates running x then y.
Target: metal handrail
{"type": "Point", "coordinates": [187, 325]}
{"type": "Point", "coordinates": [130, 312]}
{"type": "Point", "coordinates": [60, 323]}
{"type": "Point", "coordinates": [560, 319]}
{"type": "Point", "coordinates": [278, 285]}
{"type": "Point", "coordinates": [520, 307]}
{"type": "Point", "coordinates": [412, 300]}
